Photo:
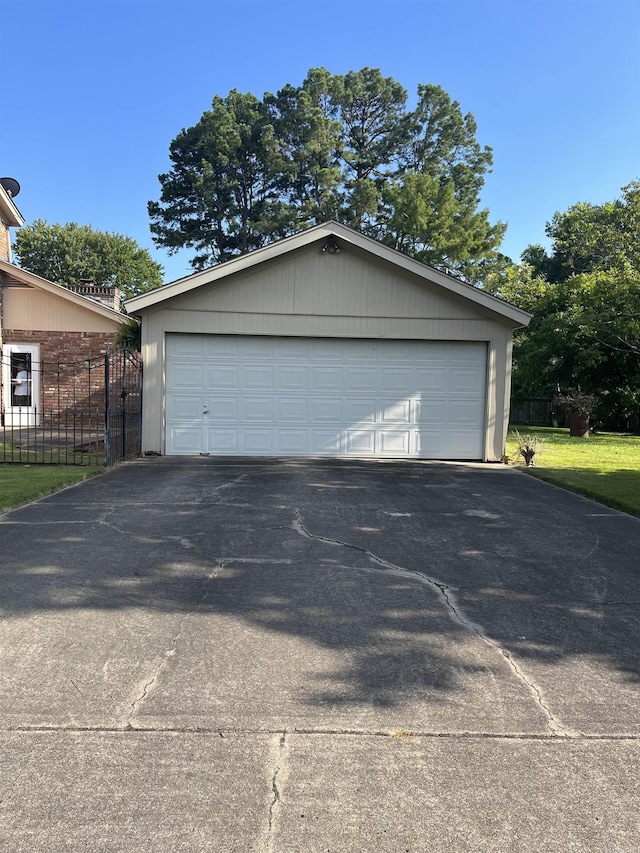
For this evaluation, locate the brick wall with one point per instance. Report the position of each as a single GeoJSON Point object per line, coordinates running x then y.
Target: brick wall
{"type": "Point", "coordinates": [66, 382]}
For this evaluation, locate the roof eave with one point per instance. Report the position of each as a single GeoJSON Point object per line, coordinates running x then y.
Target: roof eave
{"type": "Point", "coordinates": [37, 281]}
{"type": "Point", "coordinates": [10, 214]}
{"type": "Point", "coordinates": [235, 265]}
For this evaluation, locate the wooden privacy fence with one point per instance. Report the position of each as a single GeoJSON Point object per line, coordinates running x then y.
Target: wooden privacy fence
{"type": "Point", "coordinates": [85, 412]}
{"type": "Point", "coordinates": [540, 411]}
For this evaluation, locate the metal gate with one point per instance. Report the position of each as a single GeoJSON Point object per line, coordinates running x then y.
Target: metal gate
{"type": "Point", "coordinates": [81, 412]}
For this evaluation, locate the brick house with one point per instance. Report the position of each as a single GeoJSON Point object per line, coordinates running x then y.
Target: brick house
{"type": "Point", "coordinates": [50, 330]}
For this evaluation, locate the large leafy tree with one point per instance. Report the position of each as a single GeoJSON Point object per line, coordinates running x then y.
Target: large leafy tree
{"type": "Point", "coordinates": [338, 146]}
{"type": "Point", "coordinates": [585, 298]}
{"type": "Point", "coordinates": [589, 237]}
{"type": "Point", "coordinates": [433, 200]}
{"type": "Point", "coordinates": [66, 254]}
{"type": "Point", "coordinates": [223, 195]}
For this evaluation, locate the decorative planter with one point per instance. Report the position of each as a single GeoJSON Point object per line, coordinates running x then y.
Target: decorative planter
{"type": "Point", "coordinates": [579, 424]}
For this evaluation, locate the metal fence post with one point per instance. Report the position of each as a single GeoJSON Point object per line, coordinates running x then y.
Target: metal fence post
{"type": "Point", "coordinates": [123, 403]}
{"type": "Point", "coordinates": [107, 411]}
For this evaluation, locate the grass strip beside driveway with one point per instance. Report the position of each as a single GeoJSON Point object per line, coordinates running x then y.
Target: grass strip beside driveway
{"type": "Point", "coordinates": [605, 466]}
{"type": "Point", "coordinates": [20, 484]}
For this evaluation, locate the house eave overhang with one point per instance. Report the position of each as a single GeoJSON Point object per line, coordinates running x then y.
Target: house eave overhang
{"type": "Point", "coordinates": [9, 213]}
{"type": "Point", "coordinates": [502, 310]}
{"type": "Point", "coordinates": [10, 272]}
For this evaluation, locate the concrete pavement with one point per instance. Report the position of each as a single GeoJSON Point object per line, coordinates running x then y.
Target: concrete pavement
{"type": "Point", "coordinates": [279, 656]}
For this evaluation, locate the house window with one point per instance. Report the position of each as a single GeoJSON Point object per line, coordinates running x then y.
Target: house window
{"type": "Point", "coordinates": [21, 379]}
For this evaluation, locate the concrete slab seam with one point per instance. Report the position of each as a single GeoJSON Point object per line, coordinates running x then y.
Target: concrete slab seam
{"type": "Point", "coordinates": [447, 597]}
{"type": "Point", "coordinates": [302, 732]}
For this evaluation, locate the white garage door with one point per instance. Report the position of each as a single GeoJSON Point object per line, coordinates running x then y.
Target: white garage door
{"type": "Point", "coordinates": [267, 396]}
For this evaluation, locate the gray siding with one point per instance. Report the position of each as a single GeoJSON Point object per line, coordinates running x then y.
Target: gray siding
{"type": "Point", "coordinates": [311, 282]}
{"type": "Point", "coordinates": [314, 294]}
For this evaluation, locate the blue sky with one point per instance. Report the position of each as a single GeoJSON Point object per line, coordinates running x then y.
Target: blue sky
{"type": "Point", "coordinates": [95, 90]}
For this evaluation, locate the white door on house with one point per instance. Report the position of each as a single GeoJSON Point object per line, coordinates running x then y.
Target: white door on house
{"type": "Point", "coordinates": [21, 384]}
{"type": "Point", "coordinates": [276, 396]}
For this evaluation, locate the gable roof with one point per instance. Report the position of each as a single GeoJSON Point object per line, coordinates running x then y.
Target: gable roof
{"type": "Point", "coordinates": [347, 236]}
{"type": "Point", "coordinates": [13, 274]}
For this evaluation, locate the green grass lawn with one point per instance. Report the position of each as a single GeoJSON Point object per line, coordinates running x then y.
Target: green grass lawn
{"type": "Point", "coordinates": [605, 466]}
{"type": "Point", "coordinates": [20, 484]}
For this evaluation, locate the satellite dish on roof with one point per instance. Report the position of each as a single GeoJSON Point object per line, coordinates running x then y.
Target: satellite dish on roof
{"type": "Point", "coordinates": [11, 186]}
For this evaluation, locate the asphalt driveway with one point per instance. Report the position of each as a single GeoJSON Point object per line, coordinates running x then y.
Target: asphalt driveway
{"type": "Point", "coordinates": [280, 656]}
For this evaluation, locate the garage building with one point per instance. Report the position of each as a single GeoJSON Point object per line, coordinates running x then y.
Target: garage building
{"type": "Point", "coordinates": [326, 343]}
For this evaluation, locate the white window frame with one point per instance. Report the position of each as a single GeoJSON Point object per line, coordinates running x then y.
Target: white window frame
{"type": "Point", "coordinates": [23, 416]}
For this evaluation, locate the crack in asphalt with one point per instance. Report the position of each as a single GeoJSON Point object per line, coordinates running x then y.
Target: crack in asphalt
{"type": "Point", "coordinates": [275, 802]}
{"type": "Point", "coordinates": [446, 595]}
{"type": "Point", "coordinates": [593, 549]}
{"type": "Point", "coordinates": [103, 520]}
{"type": "Point", "coordinates": [228, 485]}
{"type": "Point", "coordinates": [171, 651]}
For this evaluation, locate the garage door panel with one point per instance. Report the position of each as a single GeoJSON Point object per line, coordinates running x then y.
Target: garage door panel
{"type": "Point", "coordinates": [361, 350]}
{"type": "Point", "coordinates": [257, 409]}
{"type": "Point", "coordinates": [325, 442]}
{"type": "Point", "coordinates": [223, 377]}
{"type": "Point", "coordinates": [430, 441]}
{"type": "Point", "coordinates": [218, 347]}
{"type": "Point", "coordinates": [223, 409]}
{"type": "Point", "coordinates": [395, 442]}
{"type": "Point", "coordinates": [257, 441]}
{"type": "Point", "coordinates": [189, 346]}
{"type": "Point", "coordinates": [332, 397]}
{"type": "Point", "coordinates": [327, 349]}
{"type": "Point", "coordinates": [325, 409]}
{"type": "Point", "coordinates": [460, 442]}
{"type": "Point", "coordinates": [398, 413]}
{"type": "Point", "coordinates": [292, 378]}
{"type": "Point", "coordinates": [360, 442]}
{"type": "Point", "coordinates": [292, 409]}
{"type": "Point", "coordinates": [222, 440]}
{"type": "Point", "coordinates": [325, 379]}
{"type": "Point", "coordinates": [185, 407]}
{"type": "Point", "coordinates": [186, 440]}
{"type": "Point", "coordinates": [396, 380]}
{"type": "Point", "coordinates": [466, 353]}
{"type": "Point", "coordinates": [187, 375]}
{"type": "Point", "coordinates": [292, 442]}
{"type": "Point", "coordinates": [261, 348]}
{"type": "Point", "coordinates": [292, 349]}
{"type": "Point", "coordinates": [466, 381]}
{"type": "Point", "coordinates": [438, 352]}
{"type": "Point", "coordinates": [431, 412]}
{"type": "Point", "coordinates": [395, 351]}
{"type": "Point", "coordinates": [432, 380]}
{"type": "Point", "coordinates": [361, 379]}
{"type": "Point", "coordinates": [256, 378]}
{"type": "Point", "coordinates": [464, 412]}
{"type": "Point", "coordinates": [361, 411]}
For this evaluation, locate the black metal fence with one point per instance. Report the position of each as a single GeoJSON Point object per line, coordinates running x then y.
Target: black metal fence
{"type": "Point", "coordinates": [83, 412]}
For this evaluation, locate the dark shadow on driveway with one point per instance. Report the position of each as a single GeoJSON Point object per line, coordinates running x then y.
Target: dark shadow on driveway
{"type": "Point", "coordinates": [307, 549]}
